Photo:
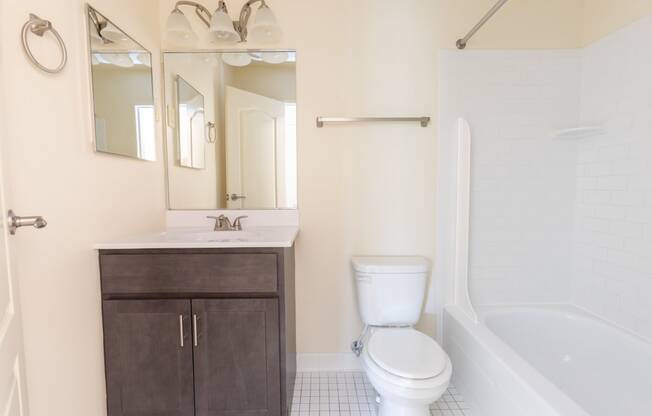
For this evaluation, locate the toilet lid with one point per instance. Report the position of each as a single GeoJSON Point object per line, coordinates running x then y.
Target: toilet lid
{"type": "Point", "coordinates": [407, 353]}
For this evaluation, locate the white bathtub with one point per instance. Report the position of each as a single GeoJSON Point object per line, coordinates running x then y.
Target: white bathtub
{"type": "Point", "coordinates": [547, 361]}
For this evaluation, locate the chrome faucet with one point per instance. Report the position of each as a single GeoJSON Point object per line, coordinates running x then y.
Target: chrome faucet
{"type": "Point", "coordinates": [223, 223]}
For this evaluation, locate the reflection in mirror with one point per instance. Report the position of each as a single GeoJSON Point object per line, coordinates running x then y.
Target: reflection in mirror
{"type": "Point", "coordinates": [239, 151]}
{"type": "Point", "coordinates": [123, 101]}
{"type": "Point", "coordinates": [190, 113]}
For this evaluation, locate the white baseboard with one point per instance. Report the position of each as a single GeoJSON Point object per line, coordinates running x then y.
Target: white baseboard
{"type": "Point", "coordinates": [346, 361]}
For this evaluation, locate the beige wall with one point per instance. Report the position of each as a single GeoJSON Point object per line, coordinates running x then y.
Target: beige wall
{"type": "Point", "coordinates": [193, 188]}
{"type": "Point", "coordinates": [519, 24]}
{"type": "Point", "coordinates": [363, 189]}
{"type": "Point", "coordinates": [371, 189]}
{"type": "Point", "coordinates": [602, 17]}
{"type": "Point", "coordinates": [86, 197]}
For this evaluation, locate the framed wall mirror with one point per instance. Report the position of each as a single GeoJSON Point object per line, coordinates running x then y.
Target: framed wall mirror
{"type": "Point", "coordinates": [122, 90]}
{"type": "Point", "coordinates": [231, 139]}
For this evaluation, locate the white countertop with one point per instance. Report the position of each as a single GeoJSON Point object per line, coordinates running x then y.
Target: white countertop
{"type": "Point", "coordinates": [250, 237]}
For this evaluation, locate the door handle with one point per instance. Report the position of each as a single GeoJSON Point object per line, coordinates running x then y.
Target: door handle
{"type": "Point", "coordinates": [235, 197]}
{"type": "Point", "coordinates": [181, 330]}
{"type": "Point", "coordinates": [15, 222]}
{"type": "Point", "coordinates": [194, 329]}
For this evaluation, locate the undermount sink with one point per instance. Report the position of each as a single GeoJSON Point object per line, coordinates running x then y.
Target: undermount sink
{"type": "Point", "coordinates": [212, 236]}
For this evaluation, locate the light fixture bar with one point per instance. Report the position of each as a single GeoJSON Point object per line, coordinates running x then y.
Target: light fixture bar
{"type": "Point", "coordinates": [98, 24]}
{"type": "Point", "coordinates": [245, 14]}
{"type": "Point", "coordinates": [199, 9]}
{"type": "Point", "coordinates": [223, 27]}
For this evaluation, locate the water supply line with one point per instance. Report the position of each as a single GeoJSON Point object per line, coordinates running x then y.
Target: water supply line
{"type": "Point", "coordinates": [461, 43]}
{"type": "Point", "coordinates": [358, 345]}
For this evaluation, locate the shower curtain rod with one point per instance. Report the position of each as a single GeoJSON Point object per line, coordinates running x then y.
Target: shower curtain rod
{"type": "Point", "coordinates": [461, 43]}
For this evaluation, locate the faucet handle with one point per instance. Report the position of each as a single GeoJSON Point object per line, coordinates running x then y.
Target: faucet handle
{"type": "Point", "coordinates": [217, 221]}
{"type": "Point", "coordinates": [221, 223]}
{"type": "Point", "coordinates": [237, 222]}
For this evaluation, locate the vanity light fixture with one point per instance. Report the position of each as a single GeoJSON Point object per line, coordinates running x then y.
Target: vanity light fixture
{"type": "Point", "coordinates": [264, 29]}
{"type": "Point", "coordinates": [113, 34]}
{"type": "Point", "coordinates": [105, 33]}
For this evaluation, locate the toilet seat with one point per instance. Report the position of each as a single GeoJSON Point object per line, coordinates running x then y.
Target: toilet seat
{"type": "Point", "coordinates": [407, 354]}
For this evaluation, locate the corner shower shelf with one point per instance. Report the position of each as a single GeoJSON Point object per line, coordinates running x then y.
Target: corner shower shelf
{"type": "Point", "coordinates": [578, 132]}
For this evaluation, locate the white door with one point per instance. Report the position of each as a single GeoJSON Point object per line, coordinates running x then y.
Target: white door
{"type": "Point", "coordinates": [12, 380]}
{"type": "Point", "coordinates": [254, 133]}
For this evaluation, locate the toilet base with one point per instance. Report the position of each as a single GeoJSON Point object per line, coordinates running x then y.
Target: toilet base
{"type": "Point", "coordinates": [389, 408]}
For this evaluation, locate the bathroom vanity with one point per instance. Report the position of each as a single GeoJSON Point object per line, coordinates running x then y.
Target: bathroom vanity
{"type": "Point", "coordinates": [198, 331]}
{"type": "Point", "coordinates": [199, 322]}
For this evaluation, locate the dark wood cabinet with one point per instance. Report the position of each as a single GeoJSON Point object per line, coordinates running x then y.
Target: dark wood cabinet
{"type": "Point", "coordinates": [205, 332]}
{"type": "Point", "coordinates": [237, 352]}
{"type": "Point", "coordinates": [148, 371]}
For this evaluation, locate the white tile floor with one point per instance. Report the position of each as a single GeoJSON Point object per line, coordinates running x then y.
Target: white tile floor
{"type": "Point", "coordinates": [351, 394]}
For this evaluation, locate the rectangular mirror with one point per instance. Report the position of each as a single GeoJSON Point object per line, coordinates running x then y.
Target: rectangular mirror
{"type": "Point", "coordinates": [123, 100]}
{"type": "Point", "coordinates": [191, 126]}
{"type": "Point", "coordinates": [231, 130]}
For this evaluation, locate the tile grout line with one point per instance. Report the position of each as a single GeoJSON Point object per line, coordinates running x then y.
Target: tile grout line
{"type": "Point", "coordinates": [351, 394]}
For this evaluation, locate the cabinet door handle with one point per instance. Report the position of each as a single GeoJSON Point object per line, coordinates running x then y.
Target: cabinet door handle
{"type": "Point", "coordinates": [194, 329]}
{"type": "Point", "coordinates": [181, 330]}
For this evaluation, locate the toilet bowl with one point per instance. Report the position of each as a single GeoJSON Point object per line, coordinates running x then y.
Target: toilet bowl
{"type": "Point", "coordinates": [408, 369]}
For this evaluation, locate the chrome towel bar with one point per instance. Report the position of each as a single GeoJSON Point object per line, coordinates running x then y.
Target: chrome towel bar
{"type": "Point", "coordinates": [424, 121]}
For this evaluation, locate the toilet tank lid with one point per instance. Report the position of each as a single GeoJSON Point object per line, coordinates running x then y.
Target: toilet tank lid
{"type": "Point", "coordinates": [390, 264]}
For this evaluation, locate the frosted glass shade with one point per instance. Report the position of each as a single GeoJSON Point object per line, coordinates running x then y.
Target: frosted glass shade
{"type": "Point", "coordinates": [178, 29]}
{"type": "Point", "coordinates": [122, 60]}
{"type": "Point", "coordinates": [115, 35]}
{"type": "Point", "coordinates": [221, 29]}
{"type": "Point", "coordinates": [274, 57]}
{"type": "Point", "coordinates": [265, 28]}
{"type": "Point", "coordinates": [236, 59]}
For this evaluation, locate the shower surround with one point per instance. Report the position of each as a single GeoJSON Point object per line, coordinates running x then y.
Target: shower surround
{"type": "Point", "coordinates": [555, 220]}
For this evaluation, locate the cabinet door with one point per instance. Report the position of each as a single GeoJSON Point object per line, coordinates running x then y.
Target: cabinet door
{"type": "Point", "coordinates": [237, 363]}
{"type": "Point", "coordinates": [148, 357]}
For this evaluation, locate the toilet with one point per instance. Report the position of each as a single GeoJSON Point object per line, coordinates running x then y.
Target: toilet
{"type": "Point", "coordinates": [408, 369]}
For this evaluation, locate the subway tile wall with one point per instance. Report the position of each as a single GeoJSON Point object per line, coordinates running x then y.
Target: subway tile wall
{"type": "Point", "coordinates": [613, 208]}
{"type": "Point", "coordinates": [523, 187]}
{"type": "Point", "coordinates": [560, 220]}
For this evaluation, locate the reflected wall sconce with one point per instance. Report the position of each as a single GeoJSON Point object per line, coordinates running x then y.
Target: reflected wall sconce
{"type": "Point", "coordinates": [221, 28]}
{"type": "Point", "coordinates": [104, 32]}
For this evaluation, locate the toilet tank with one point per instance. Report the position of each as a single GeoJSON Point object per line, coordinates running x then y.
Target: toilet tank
{"type": "Point", "coordinates": [390, 290]}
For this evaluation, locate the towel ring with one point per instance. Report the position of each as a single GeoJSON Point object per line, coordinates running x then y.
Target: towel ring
{"type": "Point", "coordinates": [39, 27]}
